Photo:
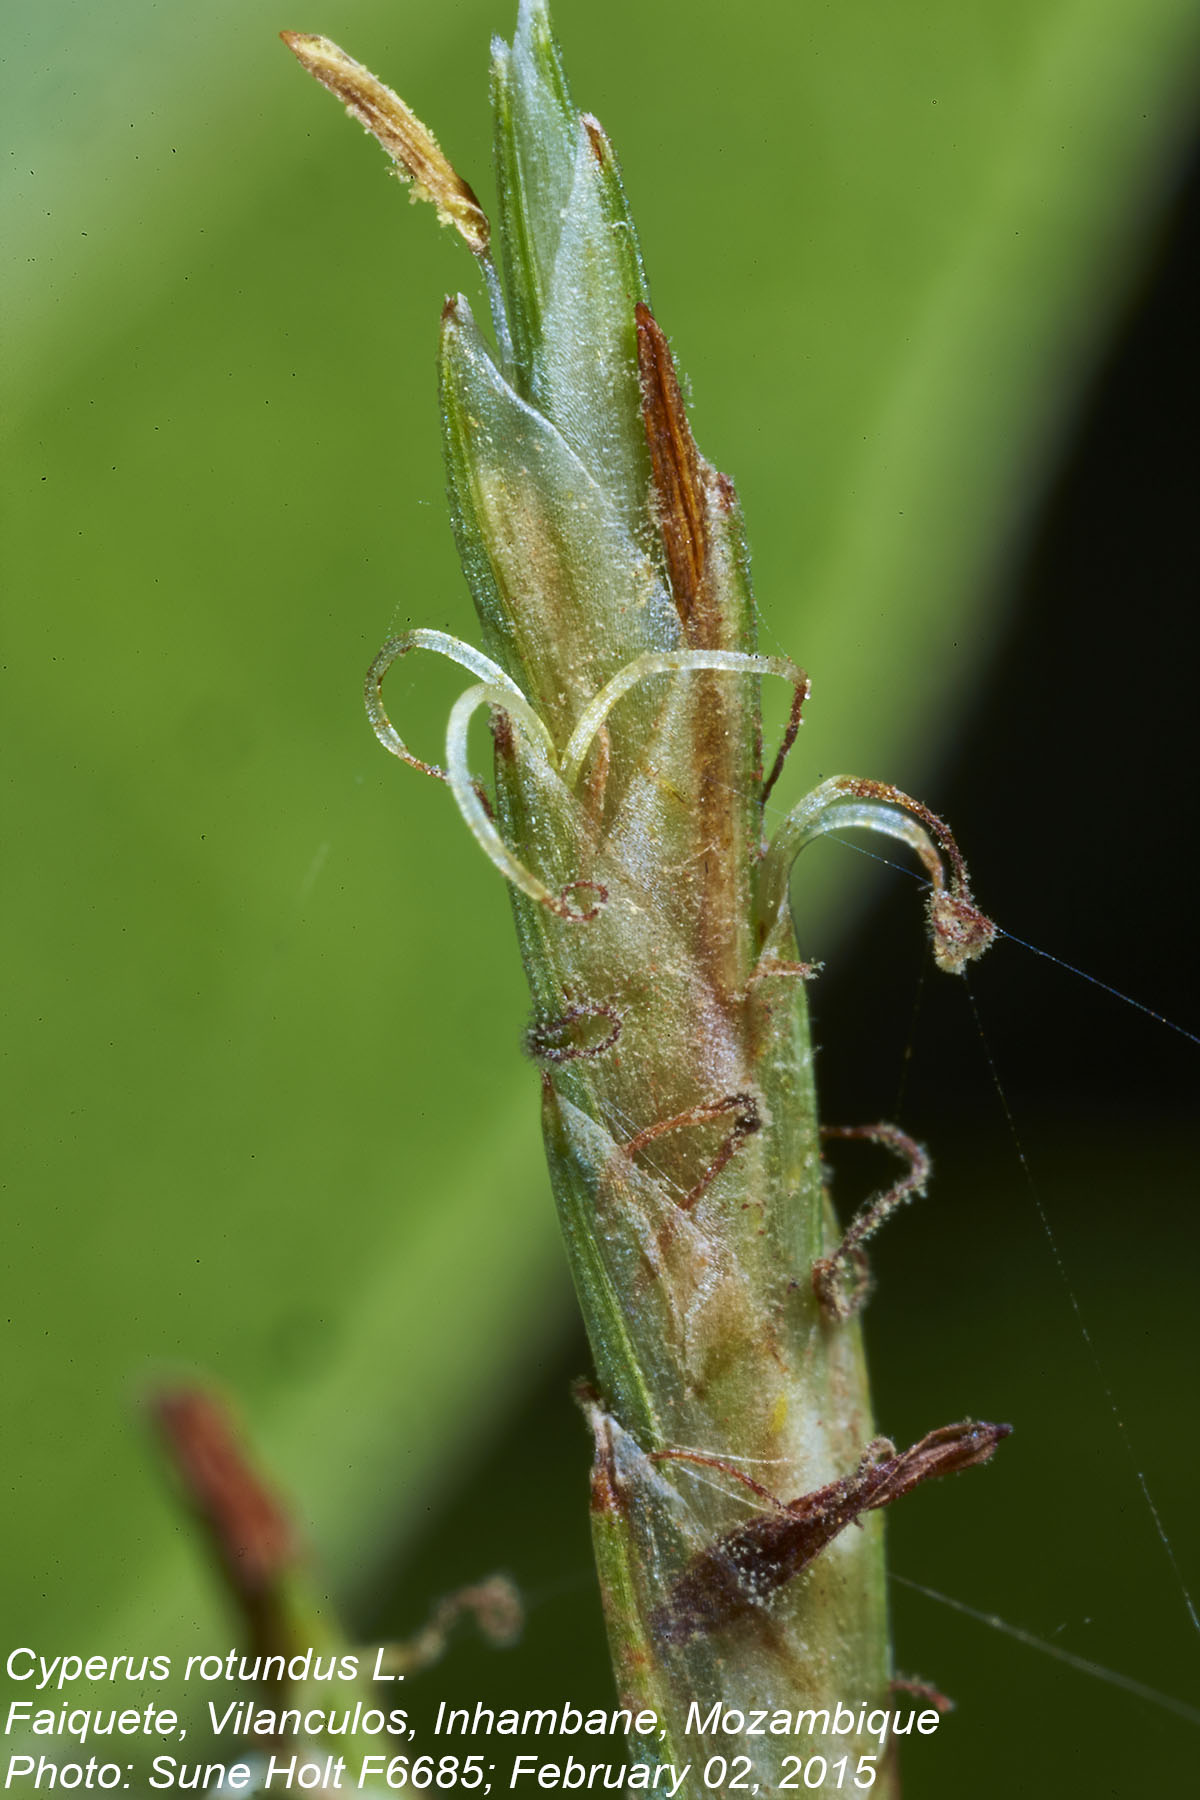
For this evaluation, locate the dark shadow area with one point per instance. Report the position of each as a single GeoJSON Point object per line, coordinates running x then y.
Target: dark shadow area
{"type": "Point", "coordinates": [1070, 788]}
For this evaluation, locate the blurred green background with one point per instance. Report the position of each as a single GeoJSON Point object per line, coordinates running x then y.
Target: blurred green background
{"type": "Point", "coordinates": [267, 1116]}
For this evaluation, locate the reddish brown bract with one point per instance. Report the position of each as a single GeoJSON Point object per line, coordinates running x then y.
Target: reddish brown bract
{"type": "Point", "coordinates": [731, 1577]}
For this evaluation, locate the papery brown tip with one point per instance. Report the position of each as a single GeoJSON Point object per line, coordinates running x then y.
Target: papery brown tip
{"type": "Point", "coordinates": [598, 139]}
{"type": "Point", "coordinates": [947, 1451]}
{"type": "Point", "coordinates": [675, 468]}
{"type": "Point", "coordinates": [412, 146]}
{"type": "Point", "coordinates": [605, 1494]}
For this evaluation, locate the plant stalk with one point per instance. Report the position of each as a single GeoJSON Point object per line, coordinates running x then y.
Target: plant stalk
{"type": "Point", "coordinates": [738, 1477]}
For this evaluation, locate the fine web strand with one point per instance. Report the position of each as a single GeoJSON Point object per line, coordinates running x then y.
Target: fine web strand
{"type": "Point", "coordinates": [1077, 1662]}
{"type": "Point", "coordinates": [728, 1491]}
{"type": "Point", "coordinates": [683, 1451]}
{"type": "Point", "coordinates": [1159, 1528]}
{"type": "Point", "coordinates": [1060, 962]}
{"type": "Point", "coordinates": [906, 1060]}
{"type": "Point", "coordinates": [1083, 1664]}
{"type": "Point", "coordinates": [1068, 1286]}
{"type": "Point", "coordinates": [614, 1114]}
{"type": "Point", "coordinates": [1104, 986]}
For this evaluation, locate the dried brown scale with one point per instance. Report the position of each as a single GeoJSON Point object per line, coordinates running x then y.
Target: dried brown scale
{"type": "Point", "coordinates": [686, 491]}
{"type": "Point", "coordinates": [745, 1566]}
{"type": "Point", "coordinates": [411, 145]}
{"type": "Point", "coordinates": [597, 138]}
{"type": "Point", "coordinates": [676, 473]}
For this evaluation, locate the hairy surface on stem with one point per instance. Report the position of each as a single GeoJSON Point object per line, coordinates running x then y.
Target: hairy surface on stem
{"type": "Point", "coordinates": [606, 560]}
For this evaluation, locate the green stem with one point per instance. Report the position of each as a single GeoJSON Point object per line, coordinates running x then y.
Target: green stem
{"type": "Point", "coordinates": [734, 1442]}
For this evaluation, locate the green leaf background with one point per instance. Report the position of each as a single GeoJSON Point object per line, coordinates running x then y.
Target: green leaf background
{"type": "Point", "coordinates": [267, 1117]}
